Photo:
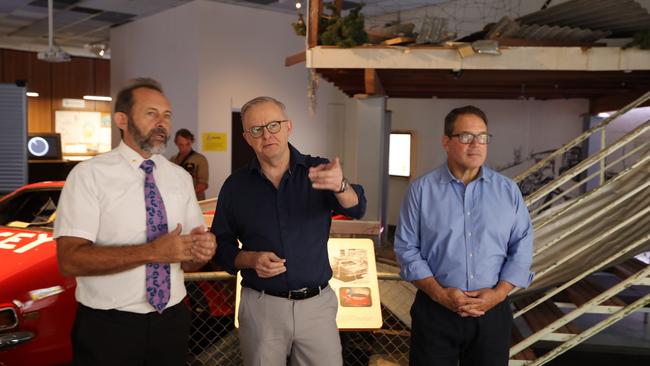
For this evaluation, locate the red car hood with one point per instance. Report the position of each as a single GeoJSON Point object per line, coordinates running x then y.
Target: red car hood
{"type": "Point", "coordinates": [27, 262]}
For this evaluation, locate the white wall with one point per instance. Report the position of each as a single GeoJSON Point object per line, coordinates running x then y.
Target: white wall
{"type": "Point", "coordinates": [163, 46]}
{"type": "Point", "coordinates": [365, 143]}
{"type": "Point", "coordinates": [530, 125]}
{"type": "Point", "coordinates": [241, 57]}
{"type": "Point", "coordinates": [212, 58]}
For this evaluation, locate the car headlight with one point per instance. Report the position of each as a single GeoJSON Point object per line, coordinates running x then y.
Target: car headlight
{"type": "Point", "coordinates": [8, 318]}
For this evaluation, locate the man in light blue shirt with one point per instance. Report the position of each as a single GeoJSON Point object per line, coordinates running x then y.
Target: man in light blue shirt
{"type": "Point", "coordinates": [465, 240]}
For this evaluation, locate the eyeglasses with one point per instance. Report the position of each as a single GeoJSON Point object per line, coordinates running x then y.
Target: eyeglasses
{"type": "Point", "coordinates": [467, 138]}
{"type": "Point", "coordinates": [273, 127]}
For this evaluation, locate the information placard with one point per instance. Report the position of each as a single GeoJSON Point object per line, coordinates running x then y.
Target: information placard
{"type": "Point", "coordinates": [354, 280]}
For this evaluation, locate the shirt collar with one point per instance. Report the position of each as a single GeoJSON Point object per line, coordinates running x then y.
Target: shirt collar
{"type": "Point", "coordinates": [446, 177]}
{"type": "Point", "coordinates": [133, 158]}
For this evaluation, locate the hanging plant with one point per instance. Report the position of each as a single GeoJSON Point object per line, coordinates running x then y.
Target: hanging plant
{"type": "Point", "coordinates": [334, 30]}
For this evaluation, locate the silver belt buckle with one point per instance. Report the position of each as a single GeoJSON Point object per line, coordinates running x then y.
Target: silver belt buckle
{"type": "Point", "coordinates": [302, 291]}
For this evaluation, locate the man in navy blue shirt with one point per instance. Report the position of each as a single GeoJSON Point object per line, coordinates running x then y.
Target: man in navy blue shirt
{"type": "Point", "coordinates": [279, 207]}
{"type": "Point", "coordinates": [465, 240]}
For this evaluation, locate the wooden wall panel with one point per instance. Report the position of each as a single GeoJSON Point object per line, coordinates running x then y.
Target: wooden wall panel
{"type": "Point", "coordinates": [73, 79]}
{"type": "Point", "coordinates": [55, 81]}
{"type": "Point", "coordinates": [15, 66]}
{"type": "Point", "coordinates": [39, 113]}
{"type": "Point", "coordinates": [102, 77]}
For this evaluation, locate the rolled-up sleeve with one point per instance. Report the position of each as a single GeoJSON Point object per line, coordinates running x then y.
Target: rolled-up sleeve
{"type": "Point", "coordinates": [407, 238]}
{"type": "Point", "coordinates": [516, 269]}
{"type": "Point", "coordinates": [227, 245]}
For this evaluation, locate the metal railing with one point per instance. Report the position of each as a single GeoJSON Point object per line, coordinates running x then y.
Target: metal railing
{"type": "Point", "coordinates": [570, 340]}
{"type": "Point", "coordinates": [585, 135]}
{"type": "Point", "coordinates": [560, 187]}
{"type": "Point", "coordinates": [641, 155]}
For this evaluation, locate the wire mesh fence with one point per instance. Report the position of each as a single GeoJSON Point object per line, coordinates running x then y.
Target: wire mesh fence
{"type": "Point", "coordinates": [213, 337]}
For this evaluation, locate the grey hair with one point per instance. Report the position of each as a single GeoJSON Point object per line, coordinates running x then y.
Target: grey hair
{"type": "Point", "coordinates": [257, 101]}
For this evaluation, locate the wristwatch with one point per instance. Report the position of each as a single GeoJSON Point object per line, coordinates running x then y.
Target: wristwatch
{"type": "Point", "coordinates": [344, 185]}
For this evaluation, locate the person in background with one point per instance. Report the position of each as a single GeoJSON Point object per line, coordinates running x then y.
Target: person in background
{"type": "Point", "coordinates": [195, 163]}
{"type": "Point", "coordinates": [464, 239]}
{"type": "Point", "coordinates": [128, 225]}
{"type": "Point", "coordinates": [279, 207]}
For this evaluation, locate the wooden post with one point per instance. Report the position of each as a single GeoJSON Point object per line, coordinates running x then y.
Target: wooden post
{"type": "Point", "coordinates": [372, 83]}
{"type": "Point", "coordinates": [315, 9]}
{"type": "Point", "coordinates": [338, 4]}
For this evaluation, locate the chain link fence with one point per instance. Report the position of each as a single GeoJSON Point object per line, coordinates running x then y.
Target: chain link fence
{"type": "Point", "coordinates": [213, 337]}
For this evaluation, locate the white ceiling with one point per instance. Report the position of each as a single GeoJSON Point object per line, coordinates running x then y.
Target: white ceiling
{"type": "Point", "coordinates": [78, 23]}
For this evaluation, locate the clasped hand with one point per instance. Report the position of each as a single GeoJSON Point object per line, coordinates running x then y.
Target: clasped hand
{"type": "Point", "coordinates": [469, 303]}
{"type": "Point", "coordinates": [198, 246]}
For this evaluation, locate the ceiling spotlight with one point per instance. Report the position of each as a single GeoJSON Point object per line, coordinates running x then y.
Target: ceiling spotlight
{"type": "Point", "coordinates": [298, 5]}
{"type": "Point", "coordinates": [99, 49]}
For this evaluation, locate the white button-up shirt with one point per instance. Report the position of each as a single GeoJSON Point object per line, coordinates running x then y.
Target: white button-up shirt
{"type": "Point", "coordinates": [103, 201]}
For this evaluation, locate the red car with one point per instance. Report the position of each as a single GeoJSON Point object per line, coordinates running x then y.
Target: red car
{"type": "Point", "coordinates": [37, 304]}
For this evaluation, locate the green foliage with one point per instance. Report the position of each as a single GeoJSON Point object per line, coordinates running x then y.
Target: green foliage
{"type": "Point", "coordinates": [641, 40]}
{"type": "Point", "coordinates": [336, 30]}
{"type": "Point", "coordinates": [344, 31]}
{"type": "Point", "coordinates": [300, 27]}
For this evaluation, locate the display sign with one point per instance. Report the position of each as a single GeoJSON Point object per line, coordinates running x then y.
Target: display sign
{"type": "Point", "coordinates": [73, 103]}
{"type": "Point", "coordinates": [399, 156]}
{"type": "Point", "coordinates": [83, 133]}
{"type": "Point", "coordinates": [354, 280]}
{"type": "Point", "coordinates": [44, 146]}
{"type": "Point", "coordinates": [214, 141]}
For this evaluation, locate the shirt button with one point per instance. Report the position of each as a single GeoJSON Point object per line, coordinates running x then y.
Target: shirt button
{"type": "Point", "coordinates": [471, 276]}
{"type": "Point", "coordinates": [469, 233]}
{"type": "Point", "coordinates": [468, 214]}
{"type": "Point", "coordinates": [470, 254]}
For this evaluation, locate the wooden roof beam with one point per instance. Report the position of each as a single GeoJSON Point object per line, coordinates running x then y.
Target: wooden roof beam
{"type": "Point", "coordinates": [372, 82]}
{"type": "Point", "coordinates": [295, 59]}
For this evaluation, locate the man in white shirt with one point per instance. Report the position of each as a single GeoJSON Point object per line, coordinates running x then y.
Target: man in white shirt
{"type": "Point", "coordinates": [128, 225]}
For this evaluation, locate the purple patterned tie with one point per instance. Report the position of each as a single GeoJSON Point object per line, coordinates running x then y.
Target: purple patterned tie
{"type": "Point", "coordinates": [158, 283]}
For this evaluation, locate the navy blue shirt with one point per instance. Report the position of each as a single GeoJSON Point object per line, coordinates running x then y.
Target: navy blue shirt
{"type": "Point", "coordinates": [292, 221]}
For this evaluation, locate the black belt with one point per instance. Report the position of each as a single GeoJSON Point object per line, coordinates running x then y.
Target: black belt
{"type": "Point", "coordinates": [301, 294]}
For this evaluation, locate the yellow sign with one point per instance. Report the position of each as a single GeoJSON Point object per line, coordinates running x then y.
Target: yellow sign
{"type": "Point", "coordinates": [214, 141]}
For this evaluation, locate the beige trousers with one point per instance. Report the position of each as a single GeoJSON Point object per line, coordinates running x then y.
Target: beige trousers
{"type": "Point", "coordinates": [273, 330]}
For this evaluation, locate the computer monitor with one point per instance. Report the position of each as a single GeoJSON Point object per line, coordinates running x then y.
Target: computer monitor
{"type": "Point", "coordinates": [44, 146]}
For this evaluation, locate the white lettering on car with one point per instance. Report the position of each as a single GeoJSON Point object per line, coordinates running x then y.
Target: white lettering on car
{"type": "Point", "coordinates": [5, 244]}
{"type": "Point", "coordinates": [42, 238]}
{"type": "Point", "coordinates": [15, 238]}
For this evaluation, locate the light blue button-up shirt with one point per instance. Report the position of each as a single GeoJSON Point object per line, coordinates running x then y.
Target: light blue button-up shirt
{"type": "Point", "coordinates": [467, 237]}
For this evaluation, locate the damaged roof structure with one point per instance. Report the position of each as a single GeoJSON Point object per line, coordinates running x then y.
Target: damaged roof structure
{"type": "Point", "coordinates": [563, 51]}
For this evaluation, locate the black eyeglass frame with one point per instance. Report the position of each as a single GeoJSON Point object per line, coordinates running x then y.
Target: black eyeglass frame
{"type": "Point", "coordinates": [473, 137]}
{"type": "Point", "coordinates": [267, 126]}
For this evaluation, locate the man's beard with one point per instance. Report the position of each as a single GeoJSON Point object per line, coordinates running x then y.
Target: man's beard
{"type": "Point", "coordinates": [144, 142]}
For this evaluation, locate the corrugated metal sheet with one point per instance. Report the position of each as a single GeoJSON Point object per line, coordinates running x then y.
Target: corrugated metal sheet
{"type": "Point", "coordinates": [621, 17]}
{"type": "Point", "coordinates": [511, 29]}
